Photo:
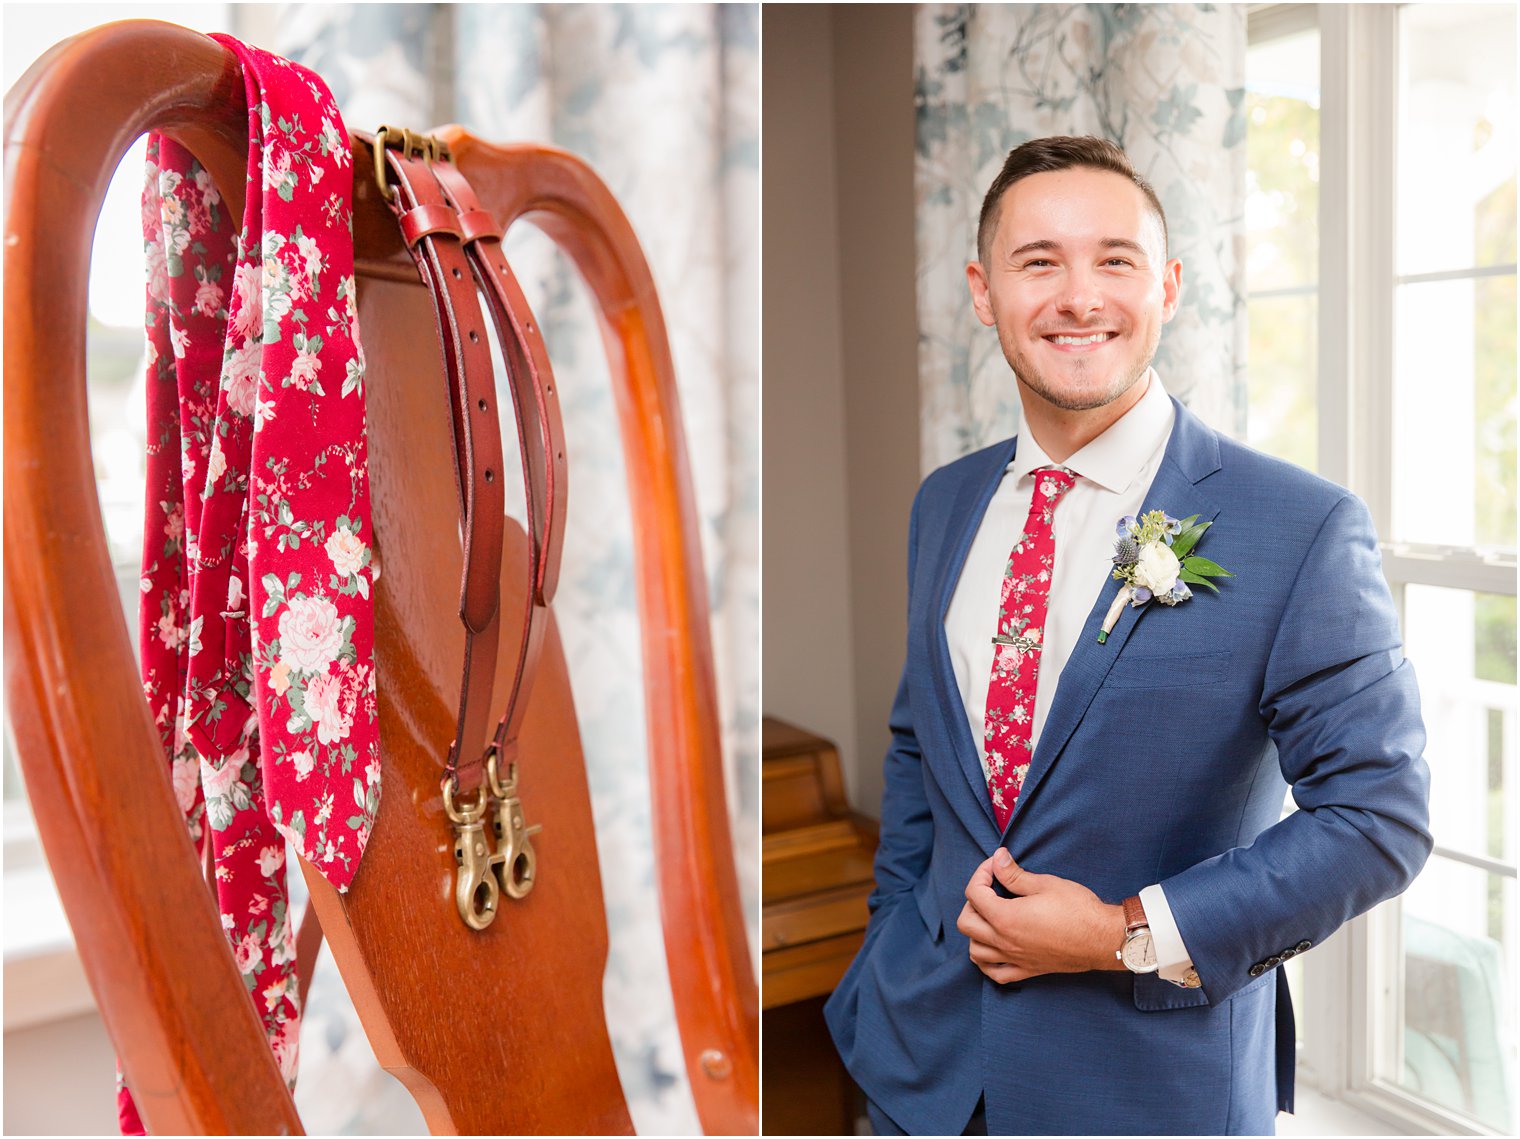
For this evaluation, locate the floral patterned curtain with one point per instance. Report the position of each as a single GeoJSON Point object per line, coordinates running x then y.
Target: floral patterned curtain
{"type": "Point", "coordinates": [1167, 83]}
{"type": "Point", "coordinates": [662, 100]}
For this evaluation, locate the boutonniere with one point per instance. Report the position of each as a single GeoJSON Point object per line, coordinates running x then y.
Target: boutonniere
{"type": "Point", "coordinates": [1154, 559]}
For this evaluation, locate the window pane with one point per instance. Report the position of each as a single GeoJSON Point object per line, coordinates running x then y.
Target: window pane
{"type": "Point", "coordinates": [1454, 1044]}
{"type": "Point", "coordinates": [1462, 646]}
{"type": "Point", "coordinates": [1282, 409]}
{"type": "Point", "coordinates": [1494, 404]}
{"type": "Point", "coordinates": [1454, 413]}
{"type": "Point", "coordinates": [1282, 159]}
{"type": "Point", "coordinates": [1456, 188]}
{"type": "Point", "coordinates": [1282, 234]}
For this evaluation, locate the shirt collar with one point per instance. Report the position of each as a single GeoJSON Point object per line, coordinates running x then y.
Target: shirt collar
{"type": "Point", "coordinates": [1114, 459]}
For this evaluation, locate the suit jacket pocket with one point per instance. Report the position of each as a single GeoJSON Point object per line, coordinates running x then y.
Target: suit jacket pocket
{"type": "Point", "coordinates": [927, 900]}
{"type": "Point", "coordinates": [1189, 670]}
{"type": "Point", "coordinates": [1152, 994]}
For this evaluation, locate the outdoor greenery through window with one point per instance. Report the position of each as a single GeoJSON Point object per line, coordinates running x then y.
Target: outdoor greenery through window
{"type": "Point", "coordinates": [1282, 251]}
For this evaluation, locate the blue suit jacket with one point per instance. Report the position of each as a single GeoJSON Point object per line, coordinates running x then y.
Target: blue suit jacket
{"type": "Point", "coordinates": [1162, 759]}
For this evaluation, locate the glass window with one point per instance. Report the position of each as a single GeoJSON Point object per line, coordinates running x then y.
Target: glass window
{"type": "Point", "coordinates": [1282, 244]}
{"type": "Point", "coordinates": [1455, 251]}
{"type": "Point", "coordinates": [1462, 646]}
{"type": "Point", "coordinates": [1454, 1038]}
{"type": "Point", "coordinates": [1445, 1027]}
{"type": "Point", "coordinates": [1454, 412]}
{"type": "Point", "coordinates": [1456, 169]}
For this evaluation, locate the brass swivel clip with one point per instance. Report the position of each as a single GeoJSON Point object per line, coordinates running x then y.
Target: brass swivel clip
{"type": "Point", "coordinates": [514, 856]}
{"type": "Point", "coordinates": [412, 144]}
{"type": "Point", "coordinates": [475, 888]}
{"type": "Point", "coordinates": [483, 874]}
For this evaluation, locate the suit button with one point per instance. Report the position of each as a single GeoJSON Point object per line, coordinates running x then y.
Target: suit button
{"type": "Point", "coordinates": [1273, 961]}
{"type": "Point", "coordinates": [1258, 969]}
{"type": "Point", "coordinates": [1287, 953]}
{"type": "Point", "coordinates": [1302, 946]}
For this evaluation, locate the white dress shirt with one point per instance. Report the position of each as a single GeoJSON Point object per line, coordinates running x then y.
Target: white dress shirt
{"type": "Point", "coordinates": [1115, 472]}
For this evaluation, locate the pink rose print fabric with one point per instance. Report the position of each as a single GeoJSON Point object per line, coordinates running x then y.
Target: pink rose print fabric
{"type": "Point", "coordinates": [1020, 639]}
{"type": "Point", "coordinates": [255, 622]}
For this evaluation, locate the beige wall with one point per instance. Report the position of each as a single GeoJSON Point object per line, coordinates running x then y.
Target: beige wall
{"type": "Point", "coordinates": [840, 371]}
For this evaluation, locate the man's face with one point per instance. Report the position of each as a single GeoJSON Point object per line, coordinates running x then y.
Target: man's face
{"type": "Point", "coordinates": [1077, 285]}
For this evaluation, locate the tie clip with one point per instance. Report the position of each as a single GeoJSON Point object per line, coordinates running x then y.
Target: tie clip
{"type": "Point", "coordinates": [1020, 642]}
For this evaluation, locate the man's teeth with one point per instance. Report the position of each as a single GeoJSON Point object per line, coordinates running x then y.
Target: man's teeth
{"type": "Point", "coordinates": [1095, 338]}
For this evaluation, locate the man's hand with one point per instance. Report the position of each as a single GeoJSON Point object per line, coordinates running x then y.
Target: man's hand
{"type": "Point", "coordinates": [1051, 925]}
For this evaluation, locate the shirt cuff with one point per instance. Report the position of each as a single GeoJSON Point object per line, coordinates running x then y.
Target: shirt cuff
{"type": "Point", "coordinates": [1172, 957]}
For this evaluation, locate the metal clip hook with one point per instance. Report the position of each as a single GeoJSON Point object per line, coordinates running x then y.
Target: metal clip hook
{"type": "Point", "coordinates": [515, 857]}
{"type": "Point", "coordinates": [475, 888]}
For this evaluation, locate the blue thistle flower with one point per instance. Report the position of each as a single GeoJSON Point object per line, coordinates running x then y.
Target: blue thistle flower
{"type": "Point", "coordinates": [1126, 552]}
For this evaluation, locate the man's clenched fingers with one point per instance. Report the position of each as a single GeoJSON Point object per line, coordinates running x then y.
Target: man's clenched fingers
{"type": "Point", "coordinates": [1005, 974]}
{"type": "Point", "coordinates": [975, 926]}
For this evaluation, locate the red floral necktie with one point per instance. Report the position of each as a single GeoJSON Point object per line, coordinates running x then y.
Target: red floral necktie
{"type": "Point", "coordinates": [256, 622]}
{"type": "Point", "coordinates": [1020, 640]}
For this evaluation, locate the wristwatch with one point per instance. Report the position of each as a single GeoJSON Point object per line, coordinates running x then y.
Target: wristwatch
{"type": "Point", "coordinates": [1138, 953]}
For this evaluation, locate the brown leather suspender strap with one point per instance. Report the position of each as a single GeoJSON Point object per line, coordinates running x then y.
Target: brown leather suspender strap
{"type": "Point", "coordinates": [543, 450]}
{"type": "Point", "coordinates": [431, 230]}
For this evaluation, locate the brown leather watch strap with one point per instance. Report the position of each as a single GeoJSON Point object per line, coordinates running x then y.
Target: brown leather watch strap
{"type": "Point", "coordinates": [1134, 914]}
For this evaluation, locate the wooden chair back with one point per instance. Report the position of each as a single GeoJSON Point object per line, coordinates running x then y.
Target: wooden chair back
{"type": "Point", "coordinates": [499, 1031]}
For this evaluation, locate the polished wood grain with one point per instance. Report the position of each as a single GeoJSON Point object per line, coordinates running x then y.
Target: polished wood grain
{"type": "Point", "coordinates": [500, 1032]}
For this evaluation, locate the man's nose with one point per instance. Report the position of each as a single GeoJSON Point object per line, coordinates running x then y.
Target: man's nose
{"type": "Point", "coordinates": [1080, 294]}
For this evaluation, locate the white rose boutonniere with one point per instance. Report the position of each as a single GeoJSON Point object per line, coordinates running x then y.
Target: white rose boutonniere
{"type": "Point", "coordinates": [1153, 557]}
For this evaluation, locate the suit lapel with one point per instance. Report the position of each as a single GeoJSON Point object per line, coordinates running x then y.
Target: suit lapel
{"type": "Point", "coordinates": [967, 512]}
{"type": "Point", "coordinates": [1192, 454]}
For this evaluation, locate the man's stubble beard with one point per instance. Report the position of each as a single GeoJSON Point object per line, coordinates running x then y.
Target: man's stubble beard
{"type": "Point", "coordinates": [1025, 372]}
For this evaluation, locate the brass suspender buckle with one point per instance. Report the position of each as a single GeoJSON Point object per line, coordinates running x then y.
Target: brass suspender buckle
{"type": "Point", "coordinates": [412, 144]}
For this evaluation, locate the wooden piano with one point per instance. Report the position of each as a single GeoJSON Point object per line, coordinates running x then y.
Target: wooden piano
{"type": "Point", "coordinates": [816, 861]}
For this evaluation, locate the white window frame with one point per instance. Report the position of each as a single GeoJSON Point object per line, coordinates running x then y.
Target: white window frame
{"type": "Point", "coordinates": [1359, 73]}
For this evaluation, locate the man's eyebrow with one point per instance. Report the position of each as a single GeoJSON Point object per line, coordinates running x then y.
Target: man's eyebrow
{"type": "Point", "coordinates": [1044, 245]}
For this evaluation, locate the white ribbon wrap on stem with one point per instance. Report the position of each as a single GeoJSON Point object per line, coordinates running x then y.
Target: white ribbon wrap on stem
{"type": "Point", "coordinates": [1120, 600]}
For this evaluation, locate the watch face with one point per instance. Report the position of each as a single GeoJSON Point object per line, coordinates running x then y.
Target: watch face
{"type": "Point", "coordinates": [1139, 953]}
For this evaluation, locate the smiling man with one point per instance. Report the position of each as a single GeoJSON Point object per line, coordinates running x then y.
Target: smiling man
{"type": "Point", "coordinates": [1084, 886]}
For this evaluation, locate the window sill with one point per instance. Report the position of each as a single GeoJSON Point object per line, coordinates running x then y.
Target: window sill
{"type": "Point", "coordinates": [44, 980]}
{"type": "Point", "coordinates": [1318, 1114]}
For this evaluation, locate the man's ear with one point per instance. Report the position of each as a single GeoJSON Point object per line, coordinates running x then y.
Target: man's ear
{"type": "Point", "coordinates": [976, 278]}
{"type": "Point", "coordinates": [1171, 287]}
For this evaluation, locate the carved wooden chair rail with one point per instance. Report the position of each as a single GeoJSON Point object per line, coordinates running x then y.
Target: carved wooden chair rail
{"type": "Point", "coordinates": [465, 1019]}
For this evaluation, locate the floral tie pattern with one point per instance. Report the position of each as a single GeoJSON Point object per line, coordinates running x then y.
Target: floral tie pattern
{"type": "Point", "coordinates": [256, 631]}
{"type": "Point", "coordinates": [1019, 642]}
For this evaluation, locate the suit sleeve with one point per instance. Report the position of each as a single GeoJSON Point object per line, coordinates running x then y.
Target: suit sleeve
{"type": "Point", "coordinates": [1341, 706]}
{"type": "Point", "coordinates": [907, 828]}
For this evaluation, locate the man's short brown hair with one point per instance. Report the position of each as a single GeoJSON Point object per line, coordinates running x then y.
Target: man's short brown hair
{"type": "Point", "coordinates": [1058, 152]}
